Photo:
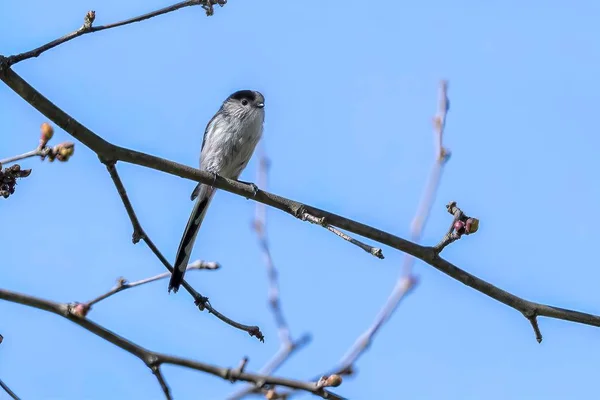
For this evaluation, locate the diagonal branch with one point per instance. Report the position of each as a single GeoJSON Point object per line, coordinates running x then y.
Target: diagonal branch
{"type": "Point", "coordinates": [139, 234]}
{"type": "Point", "coordinates": [8, 391]}
{"type": "Point", "coordinates": [109, 152]}
{"type": "Point", "coordinates": [154, 360]}
{"type": "Point", "coordinates": [407, 281]}
{"type": "Point", "coordinates": [89, 20]}
{"type": "Point", "coordinates": [122, 284]}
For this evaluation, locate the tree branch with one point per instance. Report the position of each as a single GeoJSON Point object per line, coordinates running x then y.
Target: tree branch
{"type": "Point", "coordinates": [138, 234]}
{"type": "Point", "coordinates": [154, 360]}
{"type": "Point", "coordinates": [82, 309]}
{"type": "Point", "coordinates": [109, 152]}
{"type": "Point", "coordinates": [8, 391]}
{"type": "Point", "coordinates": [91, 16]}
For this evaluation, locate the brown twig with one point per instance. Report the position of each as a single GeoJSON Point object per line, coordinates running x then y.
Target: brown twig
{"type": "Point", "coordinates": [287, 344]}
{"type": "Point", "coordinates": [154, 360]}
{"type": "Point", "coordinates": [138, 234]}
{"type": "Point", "coordinates": [375, 251]}
{"type": "Point", "coordinates": [110, 152]}
{"type": "Point", "coordinates": [4, 386]}
{"type": "Point", "coordinates": [88, 28]}
{"type": "Point", "coordinates": [8, 391]}
{"type": "Point", "coordinates": [122, 284]}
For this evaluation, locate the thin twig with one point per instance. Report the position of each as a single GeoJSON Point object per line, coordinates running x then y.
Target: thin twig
{"type": "Point", "coordinates": [162, 382]}
{"type": "Point", "coordinates": [153, 359]}
{"type": "Point", "coordinates": [122, 284]}
{"type": "Point", "coordinates": [32, 153]}
{"type": "Point", "coordinates": [321, 221]}
{"type": "Point", "coordinates": [88, 28]}
{"type": "Point", "coordinates": [138, 234]}
{"type": "Point", "coordinates": [7, 390]}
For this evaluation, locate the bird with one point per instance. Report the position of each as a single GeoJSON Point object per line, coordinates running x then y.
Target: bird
{"type": "Point", "coordinates": [229, 141]}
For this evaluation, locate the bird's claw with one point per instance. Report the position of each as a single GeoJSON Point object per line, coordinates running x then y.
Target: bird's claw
{"type": "Point", "coordinates": [253, 186]}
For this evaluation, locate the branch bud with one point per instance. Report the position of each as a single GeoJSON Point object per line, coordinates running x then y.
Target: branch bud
{"type": "Point", "coordinates": [46, 134]}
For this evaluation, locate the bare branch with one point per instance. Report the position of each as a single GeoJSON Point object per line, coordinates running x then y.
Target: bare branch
{"type": "Point", "coordinates": [109, 152]}
{"type": "Point", "coordinates": [153, 359]}
{"type": "Point", "coordinates": [88, 28]}
{"type": "Point", "coordinates": [8, 391]}
{"type": "Point", "coordinates": [4, 386]}
{"type": "Point", "coordinates": [321, 221]}
{"type": "Point", "coordinates": [122, 284]}
{"type": "Point", "coordinates": [161, 381]}
{"type": "Point", "coordinates": [138, 234]}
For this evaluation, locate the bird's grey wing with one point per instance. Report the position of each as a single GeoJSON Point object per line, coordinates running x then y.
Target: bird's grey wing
{"type": "Point", "coordinates": [207, 131]}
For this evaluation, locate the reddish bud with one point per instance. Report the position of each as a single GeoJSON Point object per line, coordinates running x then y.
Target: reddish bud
{"type": "Point", "coordinates": [80, 310]}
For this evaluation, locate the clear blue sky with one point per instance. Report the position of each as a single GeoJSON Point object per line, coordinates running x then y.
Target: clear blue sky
{"type": "Point", "coordinates": [350, 90]}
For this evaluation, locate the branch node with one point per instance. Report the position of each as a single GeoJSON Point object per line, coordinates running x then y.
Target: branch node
{"type": "Point", "coordinates": [531, 316]}
{"type": "Point", "coordinates": [79, 310]}
{"type": "Point", "coordinates": [255, 331]}
{"type": "Point", "coordinates": [208, 5]}
{"type": "Point", "coordinates": [137, 236]}
{"type": "Point", "coordinates": [201, 302]}
{"type": "Point", "coordinates": [88, 20]}
{"type": "Point", "coordinates": [233, 374]}
{"type": "Point", "coordinates": [462, 224]}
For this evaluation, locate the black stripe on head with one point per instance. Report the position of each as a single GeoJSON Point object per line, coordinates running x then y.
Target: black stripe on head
{"type": "Point", "coordinates": [244, 94]}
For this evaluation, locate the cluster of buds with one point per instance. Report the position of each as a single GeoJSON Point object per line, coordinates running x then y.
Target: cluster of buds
{"type": "Point", "coordinates": [8, 178]}
{"type": "Point", "coordinates": [208, 6]}
{"type": "Point", "coordinates": [60, 152]}
{"type": "Point", "coordinates": [462, 224]}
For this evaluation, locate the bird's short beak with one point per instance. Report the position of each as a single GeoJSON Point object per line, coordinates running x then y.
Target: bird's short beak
{"type": "Point", "coordinates": [260, 105]}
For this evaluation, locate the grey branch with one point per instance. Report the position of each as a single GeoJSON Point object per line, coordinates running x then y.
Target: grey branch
{"type": "Point", "coordinates": [88, 28]}
{"type": "Point", "coordinates": [154, 360]}
{"type": "Point", "coordinates": [8, 391]}
{"type": "Point", "coordinates": [321, 221]}
{"type": "Point", "coordinates": [109, 152]}
{"type": "Point", "coordinates": [122, 284]}
{"type": "Point", "coordinates": [138, 234]}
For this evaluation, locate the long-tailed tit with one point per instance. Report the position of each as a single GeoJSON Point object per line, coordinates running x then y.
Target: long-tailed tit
{"type": "Point", "coordinates": [229, 141]}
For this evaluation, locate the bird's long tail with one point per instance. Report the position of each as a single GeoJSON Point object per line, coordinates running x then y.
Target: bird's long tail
{"type": "Point", "coordinates": [205, 194]}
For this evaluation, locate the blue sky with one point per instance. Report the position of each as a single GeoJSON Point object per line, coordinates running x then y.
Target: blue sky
{"type": "Point", "coordinates": [350, 91]}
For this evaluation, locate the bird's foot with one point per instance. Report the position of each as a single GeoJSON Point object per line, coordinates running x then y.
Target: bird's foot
{"type": "Point", "coordinates": [253, 186]}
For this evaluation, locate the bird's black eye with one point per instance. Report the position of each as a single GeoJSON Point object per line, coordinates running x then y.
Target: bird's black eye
{"type": "Point", "coordinates": [244, 102]}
